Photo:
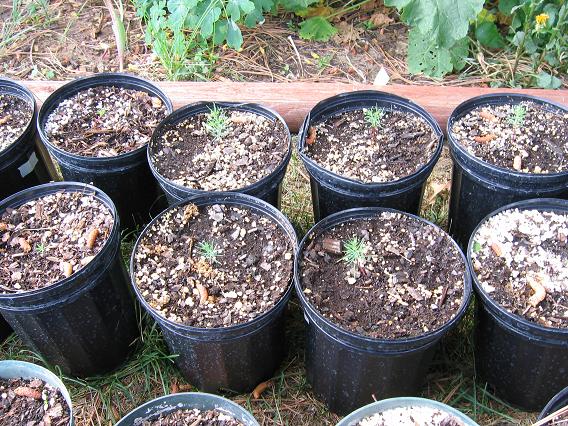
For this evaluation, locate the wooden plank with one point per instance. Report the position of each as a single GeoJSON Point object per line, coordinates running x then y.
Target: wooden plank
{"type": "Point", "coordinates": [294, 100]}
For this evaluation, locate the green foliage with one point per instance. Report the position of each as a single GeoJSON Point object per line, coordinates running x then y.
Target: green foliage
{"type": "Point", "coordinates": [517, 117]}
{"type": "Point", "coordinates": [317, 28]}
{"type": "Point", "coordinates": [539, 30]}
{"type": "Point", "coordinates": [217, 122]}
{"type": "Point", "coordinates": [209, 251]}
{"type": "Point", "coordinates": [374, 116]}
{"type": "Point", "coordinates": [476, 247]}
{"type": "Point", "coordinates": [437, 41]}
{"type": "Point", "coordinates": [354, 251]}
{"type": "Point", "coordinates": [40, 248]}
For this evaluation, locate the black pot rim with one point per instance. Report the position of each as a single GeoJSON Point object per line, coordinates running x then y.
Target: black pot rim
{"type": "Point", "coordinates": [497, 99]}
{"type": "Point", "coordinates": [50, 188]}
{"type": "Point", "coordinates": [188, 111]}
{"type": "Point", "coordinates": [369, 212]}
{"type": "Point", "coordinates": [84, 83]}
{"type": "Point", "coordinates": [560, 397]}
{"type": "Point", "coordinates": [407, 105]}
{"type": "Point", "coordinates": [5, 85]}
{"type": "Point", "coordinates": [546, 204]}
{"type": "Point", "coordinates": [207, 199]}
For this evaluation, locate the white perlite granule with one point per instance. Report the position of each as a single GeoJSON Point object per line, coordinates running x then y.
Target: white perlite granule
{"type": "Point", "coordinates": [541, 234]}
{"type": "Point", "coordinates": [411, 416]}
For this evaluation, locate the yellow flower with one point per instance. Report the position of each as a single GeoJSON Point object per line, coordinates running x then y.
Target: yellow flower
{"type": "Point", "coordinates": [541, 19]}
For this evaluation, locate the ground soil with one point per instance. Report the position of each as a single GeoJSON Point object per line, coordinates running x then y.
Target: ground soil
{"type": "Point", "coordinates": [251, 148]}
{"type": "Point", "coordinates": [348, 145]}
{"type": "Point", "coordinates": [105, 121]}
{"type": "Point", "coordinates": [50, 238]}
{"type": "Point", "coordinates": [410, 282]}
{"type": "Point", "coordinates": [193, 417]}
{"type": "Point", "coordinates": [519, 253]}
{"type": "Point", "coordinates": [536, 141]}
{"type": "Point", "coordinates": [31, 402]}
{"type": "Point", "coordinates": [15, 115]}
{"type": "Point", "coordinates": [404, 416]}
{"type": "Point", "coordinates": [244, 273]}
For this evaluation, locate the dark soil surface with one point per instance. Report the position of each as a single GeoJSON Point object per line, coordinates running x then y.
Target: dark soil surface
{"type": "Point", "coordinates": [521, 258]}
{"type": "Point", "coordinates": [105, 121]}
{"type": "Point", "coordinates": [423, 416]}
{"type": "Point", "coordinates": [408, 280]}
{"type": "Point", "coordinates": [50, 238]}
{"type": "Point", "coordinates": [250, 148]}
{"type": "Point", "coordinates": [15, 114]}
{"type": "Point", "coordinates": [524, 137]}
{"type": "Point", "coordinates": [213, 266]}
{"type": "Point", "coordinates": [348, 145]}
{"type": "Point", "coordinates": [193, 417]}
{"type": "Point", "coordinates": [31, 402]}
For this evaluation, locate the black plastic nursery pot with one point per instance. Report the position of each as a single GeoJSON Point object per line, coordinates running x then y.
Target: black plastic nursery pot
{"type": "Point", "coordinates": [556, 403]}
{"type": "Point", "coordinates": [236, 357]}
{"type": "Point", "coordinates": [332, 193]}
{"type": "Point", "coordinates": [268, 189]}
{"type": "Point", "coordinates": [10, 369]}
{"type": "Point", "coordinates": [21, 165]}
{"type": "Point", "coordinates": [478, 187]}
{"type": "Point", "coordinates": [201, 401]}
{"type": "Point", "coordinates": [126, 178]}
{"type": "Point", "coordinates": [84, 324]}
{"type": "Point", "coordinates": [524, 362]}
{"type": "Point", "coordinates": [348, 370]}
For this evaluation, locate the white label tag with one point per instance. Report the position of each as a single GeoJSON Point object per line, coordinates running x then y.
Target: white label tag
{"type": "Point", "coordinates": [28, 167]}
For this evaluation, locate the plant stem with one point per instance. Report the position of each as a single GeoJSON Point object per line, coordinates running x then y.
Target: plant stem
{"type": "Point", "coordinates": [521, 46]}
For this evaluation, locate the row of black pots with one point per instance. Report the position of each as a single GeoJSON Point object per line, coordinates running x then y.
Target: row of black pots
{"type": "Point", "coordinates": [10, 369]}
{"type": "Point", "coordinates": [478, 188]}
{"type": "Point", "coordinates": [86, 325]}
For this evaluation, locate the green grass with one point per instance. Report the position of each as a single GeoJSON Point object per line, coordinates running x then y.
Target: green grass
{"type": "Point", "coordinates": [151, 372]}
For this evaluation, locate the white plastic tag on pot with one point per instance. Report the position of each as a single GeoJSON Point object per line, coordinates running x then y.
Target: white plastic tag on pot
{"type": "Point", "coordinates": [28, 167]}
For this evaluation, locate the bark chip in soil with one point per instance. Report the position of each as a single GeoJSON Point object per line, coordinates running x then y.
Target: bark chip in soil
{"type": "Point", "coordinates": [520, 258]}
{"type": "Point", "coordinates": [415, 415]}
{"type": "Point", "coordinates": [104, 121]}
{"type": "Point", "coordinates": [390, 276]}
{"type": "Point", "coordinates": [222, 150]}
{"type": "Point", "coordinates": [525, 137]}
{"type": "Point", "coordinates": [388, 147]}
{"type": "Point", "coordinates": [50, 238]}
{"type": "Point", "coordinates": [15, 114]}
{"type": "Point", "coordinates": [31, 402]}
{"type": "Point", "coordinates": [193, 417]}
{"type": "Point", "coordinates": [213, 266]}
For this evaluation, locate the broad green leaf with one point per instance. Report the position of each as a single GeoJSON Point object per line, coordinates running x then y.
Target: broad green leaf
{"type": "Point", "coordinates": [234, 36]}
{"type": "Point", "coordinates": [220, 32]}
{"type": "Point", "coordinates": [444, 20]}
{"type": "Point", "coordinates": [547, 81]}
{"type": "Point", "coordinates": [297, 5]}
{"type": "Point", "coordinates": [317, 28]}
{"type": "Point", "coordinates": [488, 35]}
{"type": "Point", "coordinates": [235, 7]}
{"type": "Point", "coordinates": [552, 11]}
{"type": "Point", "coordinates": [179, 9]}
{"type": "Point", "coordinates": [459, 52]}
{"type": "Point", "coordinates": [209, 17]}
{"type": "Point", "coordinates": [425, 56]}
{"type": "Point", "coordinates": [506, 6]}
{"type": "Point", "coordinates": [518, 38]}
{"type": "Point", "coordinates": [530, 45]}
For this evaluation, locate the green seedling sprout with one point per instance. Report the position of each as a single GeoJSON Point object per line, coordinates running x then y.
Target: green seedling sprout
{"type": "Point", "coordinates": [40, 248]}
{"type": "Point", "coordinates": [101, 112]}
{"type": "Point", "coordinates": [476, 247]}
{"type": "Point", "coordinates": [374, 116]}
{"type": "Point", "coordinates": [354, 250]}
{"type": "Point", "coordinates": [217, 122]}
{"type": "Point", "coordinates": [517, 117]}
{"type": "Point", "coordinates": [209, 251]}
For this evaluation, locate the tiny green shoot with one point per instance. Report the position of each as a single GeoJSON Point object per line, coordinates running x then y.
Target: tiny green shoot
{"type": "Point", "coordinates": [476, 247]}
{"type": "Point", "coordinates": [209, 251]}
{"type": "Point", "coordinates": [101, 112]}
{"type": "Point", "coordinates": [517, 117]}
{"type": "Point", "coordinates": [39, 248]}
{"type": "Point", "coordinates": [217, 122]}
{"type": "Point", "coordinates": [374, 116]}
{"type": "Point", "coordinates": [354, 250]}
